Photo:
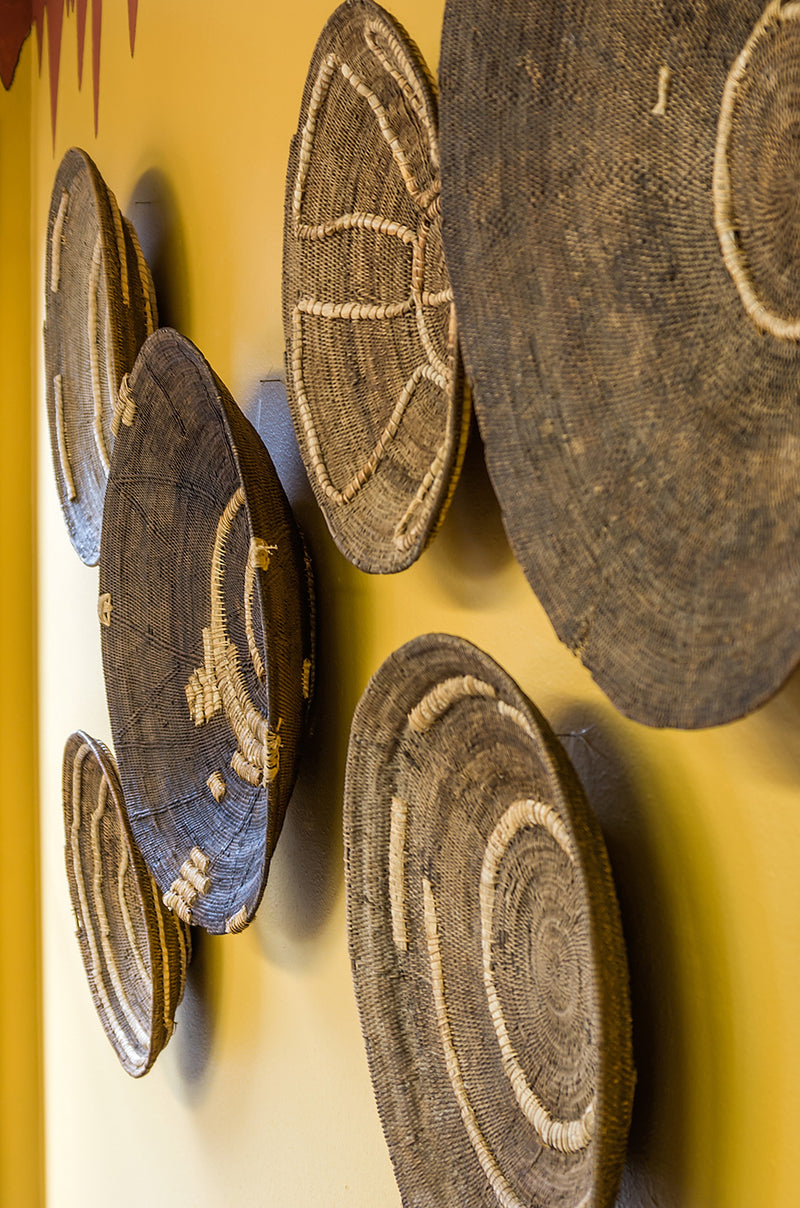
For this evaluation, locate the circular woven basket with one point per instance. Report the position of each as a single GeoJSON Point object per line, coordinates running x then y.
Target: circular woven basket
{"type": "Point", "coordinates": [135, 951]}
{"type": "Point", "coordinates": [373, 370]}
{"type": "Point", "coordinates": [485, 941]}
{"type": "Point", "coordinates": [622, 228]}
{"type": "Point", "coordinates": [205, 595]}
{"type": "Point", "coordinates": [100, 307]}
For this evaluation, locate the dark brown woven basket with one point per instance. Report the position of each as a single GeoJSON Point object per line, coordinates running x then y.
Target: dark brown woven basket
{"type": "Point", "coordinates": [207, 644]}
{"type": "Point", "coordinates": [485, 941]}
{"type": "Point", "coordinates": [621, 222]}
{"type": "Point", "coordinates": [135, 951]}
{"type": "Point", "coordinates": [100, 307]}
{"type": "Point", "coordinates": [373, 369]}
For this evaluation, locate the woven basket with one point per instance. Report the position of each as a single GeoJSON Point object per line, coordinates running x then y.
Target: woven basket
{"type": "Point", "coordinates": [373, 370]}
{"type": "Point", "coordinates": [485, 941]}
{"type": "Point", "coordinates": [100, 307]}
{"type": "Point", "coordinates": [622, 230]}
{"type": "Point", "coordinates": [207, 647]}
{"type": "Point", "coordinates": [135, 951]}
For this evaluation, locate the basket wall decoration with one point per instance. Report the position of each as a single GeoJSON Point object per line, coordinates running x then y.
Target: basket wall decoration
{"type": "Point", "coordinates": [373, 368]}
{"type": "Point", "coordinates": [206, 620]}
{"type": "Point", "coordinates": [485, 941]}
{"type": "Point", "coordinates": [619, 191]}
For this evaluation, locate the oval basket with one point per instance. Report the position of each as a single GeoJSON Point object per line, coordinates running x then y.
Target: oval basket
{"type": "Point", "coordinates": [205, 610]}
{"type": "Point", "coordinates": [373, 369]}
{"type": "Point", "coordinates": [100, 307]}
{"type": "Point", "coordinates": [485, 941]}
{"type": "Point", "coordinates": [622, 232]}
{"type": "Point", "coordinates": [135, 951]}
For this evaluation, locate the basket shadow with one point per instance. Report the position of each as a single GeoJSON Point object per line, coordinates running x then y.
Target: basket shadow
{"type": "Point", "coordinates": [195, 1018]}
{"type": "Point", "coordinates": [153, 210]}
{"type": "Point", "coordinates": [306, 872]}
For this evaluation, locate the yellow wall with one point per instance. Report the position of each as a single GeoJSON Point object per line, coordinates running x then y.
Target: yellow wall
{"type": "Point", "coordinates": [263, 1096]}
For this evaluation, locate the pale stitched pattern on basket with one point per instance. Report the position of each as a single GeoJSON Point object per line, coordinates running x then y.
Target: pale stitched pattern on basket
{"type": "Point", "coordinates": [505, 1194]}
{"type": "Point", "coordinates": [257, 559]}
{"type": "Point", "coordinates": [191, 882]}
{"type": "Point", "coordinates": [725, 220]}
{"type": "Point", "coordinates": [664, 83]}
{"type": "Point", "coordinates": [94, 352]}
{"type": "Point", "coordinates": [219, 683]}
{"type": "Point", "coordinates": [56, 242]}
{"type": "Point", "coordinates": [61, 436]}
{"type": "Point", "coordinates": [109, 949]}
{"type": "Point", "coordinates": [567, 1137]}
{"type": "Point", "coordinates": [237, 922]}
{"type": "Point", "coordinates": [122, 254]}
{"type": "Point", "coordinates": [85, 921]}
{"type": "Point", "coordinates": [435, 368]}
{"type": "Point", "coordinates": [124, 407]}
{"type": "Point", "coordinates": [169, 1022]}
{"type": "Point", "coordinates": [104, 608]}
{"type": "Point", "coordinates": [442, 696]}
{"type": "Point", "coordinates": [397, 876]}
{"type": "Point", "coordinates": [216, 785]}
{"type": "Point", "coordinates": [130, 931]}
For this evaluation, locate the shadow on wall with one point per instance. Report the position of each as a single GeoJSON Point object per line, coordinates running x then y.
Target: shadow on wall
{"type": "Point", "coordinates": [154, 213]}
{"type": "Point", "coordinates": [471, 548]}
{"type": "Point", "coordinates": [307, 866]}
{"type": "Point", "coordinates": [676, 1144]}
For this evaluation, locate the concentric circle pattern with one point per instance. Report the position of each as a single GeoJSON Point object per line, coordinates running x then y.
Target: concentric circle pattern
{"type": "Point", "coordinates": [485, 941]}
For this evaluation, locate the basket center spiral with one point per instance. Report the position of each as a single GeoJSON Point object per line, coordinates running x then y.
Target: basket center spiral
{"type": "Point", "coordinates": [756, 185]}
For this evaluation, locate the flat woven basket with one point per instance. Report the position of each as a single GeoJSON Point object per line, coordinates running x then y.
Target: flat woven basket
{"type": "Point", "coordinates": [373, 369]}
{"type": "Point", "coordinates": [135, 951]}
{"type": "Point", "coordinates": [205, 610]}
{"type": "Point", "coordinates": [485, 941]}
{"type": "Point", "coordinates": [622, 228]}
{"type": "Point", "coordinates": [100, 307]}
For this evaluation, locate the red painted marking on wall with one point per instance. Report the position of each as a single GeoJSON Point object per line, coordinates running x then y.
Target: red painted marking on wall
{"type": "Point", "coordinates": [17, 18]}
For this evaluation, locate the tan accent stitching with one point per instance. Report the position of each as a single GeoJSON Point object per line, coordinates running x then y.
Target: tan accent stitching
{"type": "Point", "coordinates": [56, 242]}
{"type": "Point", "coordinates": [405, 533]}
{"type": "Point", "coordinates": [397, 877]}
{"type": "Point", "coordinates": [565, 1136]}
{"type": "Point", "coordinates": [147, 285]}
{"type": "Point", "coordinates": [725, 221]}
{"type": "Point", "coordinates": [664, 84]}
{"type": "Point", "coordinates": [402, 72]}
{"type": "Point", "coordinates": [237, 922]}
{"type": "Point", "coordinates": [190, 883]}
{"type": "Point", "coordinates": [61, 437]}
{"type": "Point", "coordinates": [105, 608]}
{"type": "Point", "coordinates": [306, 682]}
{"type": "Point", "coordinates": [443, 696]}
{"type": "Point", "coordinates": [125, 408]}
{"type": "Point", "coordinates": [94, 355]}
{"type": "Point", "coordinates": [216, 785]}
{"type": "Point", "coordinates": [219, 682]}
{"type": "Point", "coordinates": [258, 558]}
{"type": "Point", "coordinates": [489, 1164]}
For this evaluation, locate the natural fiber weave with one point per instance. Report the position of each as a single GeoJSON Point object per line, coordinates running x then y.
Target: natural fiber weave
{"type": "Point", "coordinates": [100, 307]}
{"type": "Point", "coordinates": [373, 371]}
{"type": "Point", "coordinates": [135, 951]}
{"type": "Point", "coordinates": [622, 227]}
{"type": "Point", "coordinates": [207, 644]}
{"type": "Point", "coordinates": [485, 941]}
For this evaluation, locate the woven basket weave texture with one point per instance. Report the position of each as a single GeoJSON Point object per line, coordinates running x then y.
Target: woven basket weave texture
{"type": "Point", "coordinates": [485, 941]}
{"type": "Point", "coordinates": [373, 369]}
{"type": "Point", "coordinates": [135, 951]}
{"type": "Point", "coordinates": [100, 307]}
{"type": "Point", "coordinates": [622, 228]}
{"type": "Point", "coordinates": [205, 593]}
